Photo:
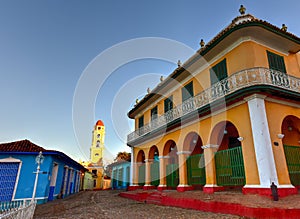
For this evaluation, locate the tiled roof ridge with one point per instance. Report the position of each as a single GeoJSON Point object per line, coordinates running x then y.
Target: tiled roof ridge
{"type": "Point", "coordinates": [21, 146]}
{"type": "Point", "coordinates": [248, 18]}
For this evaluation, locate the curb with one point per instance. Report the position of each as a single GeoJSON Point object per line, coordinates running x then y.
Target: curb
{"type": "Point", "coordinates": [213, 206]}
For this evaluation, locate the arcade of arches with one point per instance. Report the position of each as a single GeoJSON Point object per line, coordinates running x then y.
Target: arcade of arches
{"type": "Point", "coordinates": [223, 157]}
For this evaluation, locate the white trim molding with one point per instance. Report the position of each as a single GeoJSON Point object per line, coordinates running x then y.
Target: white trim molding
{"type": "Point", "coordinates": [184, 152]}
{"type": "Point", "coordinates": [163, 157]}
{"type": "Point", "coordinates": [210, 146]}
{"type": "Point", "coordinates": [10, 160]}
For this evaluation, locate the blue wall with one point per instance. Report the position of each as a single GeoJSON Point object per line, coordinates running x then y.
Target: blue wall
{"type": "Point", "coordinates": [120, 181]}
{"type": "Point", "coordinates": [27, 177]}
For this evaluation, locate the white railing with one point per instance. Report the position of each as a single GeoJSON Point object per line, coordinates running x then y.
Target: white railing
{"type": "Point", "coordinates": [237, 81]}
{"type": "Point", "coordinates": [17, 210]}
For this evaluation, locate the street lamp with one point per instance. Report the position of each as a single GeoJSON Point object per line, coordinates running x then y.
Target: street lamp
{"type": "Point", "coordinates": [38, 160]}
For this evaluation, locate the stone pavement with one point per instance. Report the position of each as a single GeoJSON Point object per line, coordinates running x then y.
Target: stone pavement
{"type": "Point", "coordinates": [108, 204]}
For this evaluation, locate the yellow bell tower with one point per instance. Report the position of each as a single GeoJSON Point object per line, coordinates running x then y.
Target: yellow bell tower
{"type": "Point", "coordinates": [97, 148]}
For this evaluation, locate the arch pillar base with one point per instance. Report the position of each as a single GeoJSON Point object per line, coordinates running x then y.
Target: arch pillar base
{"type": "Point", "coordinates": [212, 188]}
{"type": "Point", "coordinates": [148, 187]}
{"type": "Point", "coordinates": [183, 188]}
{"type": "Point", "coordinates": [283, 190]}
{"type": "Point", "coordinates": [134, 187]}
{"type": "Point", "coordinates": [162, 187]}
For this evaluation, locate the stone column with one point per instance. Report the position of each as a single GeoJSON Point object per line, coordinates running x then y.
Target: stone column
{"type": "Point", "coordinates": [263, 147]}
{"type": "Point", "coordinates": [162, 172]}
{"type": "Point", "coordinates": [131, 167]}
{"type": "Point", "coordinates": [135, 178]}
{"type": "Point", "coordinates": [183, 180]}
{"type": "Point", "coordinates": [262, 141]}
{"type": "Point", "coordinates": [210, 169]}
{"type": "Point", "coordinates": [148, 185]}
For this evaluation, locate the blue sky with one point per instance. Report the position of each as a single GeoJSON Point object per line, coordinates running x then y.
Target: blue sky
{"type": "Point", "coordinates": [45, 47]}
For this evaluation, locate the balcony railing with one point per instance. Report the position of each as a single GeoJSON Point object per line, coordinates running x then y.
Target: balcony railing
{"type": "Point", "coordinates": [237, 81]}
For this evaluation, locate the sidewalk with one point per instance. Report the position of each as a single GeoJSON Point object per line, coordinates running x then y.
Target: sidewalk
{"type": "Point", "coordinates": [226, 202]}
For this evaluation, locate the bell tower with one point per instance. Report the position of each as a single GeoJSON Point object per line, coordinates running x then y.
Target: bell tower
{"type": "Point", "coordinates": [97, 148]}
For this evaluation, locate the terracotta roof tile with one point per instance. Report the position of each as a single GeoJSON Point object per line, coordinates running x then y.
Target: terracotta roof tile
{"type": "Point", "coordinates": [248, 18]}
{"type": "Point", "coordinates": [21, 146]}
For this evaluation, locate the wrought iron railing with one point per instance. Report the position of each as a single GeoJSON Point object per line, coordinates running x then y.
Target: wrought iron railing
{"type": "Point", "coordinates": [237, 81]}
{"type": "Point", "coordinates": [17, 209]}
{"type": "Point", "coordinates": [230, 167]}
{"type": "Point", "coordinates": [292, 154]}
{"type": "Point", "coordinates": [196, 170]}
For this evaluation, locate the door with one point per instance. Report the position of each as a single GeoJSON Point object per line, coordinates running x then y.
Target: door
{"type": "Point", "coordinates": [8, 176]}
{"type": "Point", "coordinates": [53, 182]}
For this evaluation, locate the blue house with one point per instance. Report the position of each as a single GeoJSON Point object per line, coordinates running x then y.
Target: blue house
{"type": "Point", "coordinates": [59, 175]}
{"type": "Point", "coordinates": [120, 175]}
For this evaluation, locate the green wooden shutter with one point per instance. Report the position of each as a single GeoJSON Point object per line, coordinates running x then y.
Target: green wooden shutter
{"type": "Point", "coordinates": [154, 113]}
{"type": "Point", "coordinates": [218, 72]}
{"type": "Point", "coordinates": [276, 62]}
{"type": "Point", "coordinates": [187, 91]}
{"type": "Point", "coordinates": [168, 104]}
{"type": "Point", "coordinates": [141, 121]}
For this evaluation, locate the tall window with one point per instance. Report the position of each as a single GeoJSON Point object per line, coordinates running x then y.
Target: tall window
{"type": "Point", "coordinates": [218, 72]}
{"type": "Point", "coordinates": [276, 62]}
{"type": "Point", "coordinates": [154, 113]}
{"type": "Point", "coordinates": [168, 104]}
{"type": "Point", "coordinates": [141, 121]}
{"type": "Point", "coordinates": [187, 91]}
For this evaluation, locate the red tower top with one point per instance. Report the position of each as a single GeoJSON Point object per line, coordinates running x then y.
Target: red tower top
{"type": "Point", "coordinates": [99, 123]}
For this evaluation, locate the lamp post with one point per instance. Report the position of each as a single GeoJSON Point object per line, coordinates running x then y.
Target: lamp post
{"type": "Point", "coordinates": [38, 160]}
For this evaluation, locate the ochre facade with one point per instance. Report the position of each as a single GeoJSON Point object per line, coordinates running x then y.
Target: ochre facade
{"type": "Point", "coordinates": [240, 126]}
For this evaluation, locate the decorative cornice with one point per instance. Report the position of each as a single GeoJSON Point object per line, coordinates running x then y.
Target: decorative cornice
{"type": "Point", "coordinates": [255, 96]}
{"type": "Point", "coordinates": [148, 160]}
{"type": "Point", "coordinates": [184, 152]}
{"type": "Point", "coordinates": [210, 146]}
{"type": "Point", "coordinates": [164, 157]}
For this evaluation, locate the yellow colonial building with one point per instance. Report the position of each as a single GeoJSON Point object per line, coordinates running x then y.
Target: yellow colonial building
{"type": "Point", "coordinates": [229, 117]}
{"type": "Point", "coordinates": [95, 164]}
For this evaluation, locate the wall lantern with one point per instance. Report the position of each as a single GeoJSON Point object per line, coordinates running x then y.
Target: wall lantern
{"type": "Point", "coordinates": [240, 138]}
{"type": "Point", "coordinates": [280, 136]}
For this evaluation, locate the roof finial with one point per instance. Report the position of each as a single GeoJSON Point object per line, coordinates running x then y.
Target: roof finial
{"type": "Point", "coordinates": [148, 90]}
{"type": "Point", "coordinates": [179, 63]}
{"type": "Point", "coordinates": [161, 78]}
{"type": "Point", "coordinates": [284, 28]}
{"type": "Point", "coordinates": [202, 43]}
{"type": "Point", "coordinates": [137, 101]}
{"type": "Point", "coordinates": [242, 10]}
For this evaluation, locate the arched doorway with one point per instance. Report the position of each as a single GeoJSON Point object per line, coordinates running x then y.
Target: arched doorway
{"type": "Point", "coordinates": [141, 167]}
{"type": "Point", "coordinates": [291, 143]}
{"type": "Point", "coordinates": [172, 171]}
{"type": "Point", "coordinates": [195, 162]}
{"type": "Point", "coordinates": [229, 158]}
{"type": "Point", "coordinates": [154, 168]}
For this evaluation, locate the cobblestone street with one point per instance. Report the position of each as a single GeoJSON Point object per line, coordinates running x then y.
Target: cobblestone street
{"type": "Point", "coordinates": [107, 204]}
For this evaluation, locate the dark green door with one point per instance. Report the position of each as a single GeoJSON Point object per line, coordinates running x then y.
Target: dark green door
{"type": "Point", "coordinates": [142, 175]}
{"type": "Point", "coordinates": [172, 175]}
{"type": "Point", "coordinates": [230, 167]}
{"type": "Point", "coordinates": [155, 173]}
{"type": "Point", "coordinates": [292, 155]}
{"type": "Point", "coordinates": [196, 170]}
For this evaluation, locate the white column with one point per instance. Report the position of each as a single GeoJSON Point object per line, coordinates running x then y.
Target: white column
{"type": "Point", "coordinates": [131, 167]}
{"type": "Point", "coordinates": [262, 141]}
